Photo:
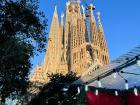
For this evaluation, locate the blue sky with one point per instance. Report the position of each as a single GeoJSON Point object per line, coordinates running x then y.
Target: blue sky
{"type": "Point", "coordinates": [120, 19]}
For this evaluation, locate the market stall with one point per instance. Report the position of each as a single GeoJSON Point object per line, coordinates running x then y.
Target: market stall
{"type": "Point", "coordinates": [115, 84]}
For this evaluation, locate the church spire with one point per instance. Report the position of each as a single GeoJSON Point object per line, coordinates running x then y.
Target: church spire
{"type": "Point", "coordinates": [102, 41]}
{"type": "Point", "coordinates": [78, 2]}
{"type": "Point", "coordinates": [91, 13]}
{"type": "Point", "coordinates": [55, 8]}
{"type": "Point", "coordinates": [62, 19]}
{"type": "Point", "coordinates": [93, 29]}
{"type": "Point", "coordinates": [55, 12]}
{"type": "Point", "coordinates": [100, 28]}
{"type": "Point", "coordinates": [83, 12]}
{"type": "Point", "coordinates": [53, 46]}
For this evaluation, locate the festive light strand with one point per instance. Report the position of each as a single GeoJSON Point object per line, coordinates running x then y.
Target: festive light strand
{"type": "Point", "coordinates": [86, 88]}
{"type": "Point", "coordinates": [116, 93]}
{"type": "Point", "coordinates": [138, 62]}
{"type": "Point", "coordinates": [129, 73]}
{"type": "Point", "coordinates": [135, 91]}
{"type": "Point", "coordinates": [114, 74]}
{"type": "Point", "coordinates": [126, 85]}
{"type": "Point", "coordinates": [78, 89]}
{"type": "Point", "coordinates": [96, 92]}
{"type": "Point", "coordinates": [99, 82]}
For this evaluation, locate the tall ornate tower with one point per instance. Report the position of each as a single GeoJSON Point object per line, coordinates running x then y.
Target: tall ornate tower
{"type": "Point", "coordinates": [75, 43]}
{"type": "Point", "coordinates": [104, 56]}
{"type": "Point", "coordinates": [69, 47]}
{"type": "Point", "coordinates": [53, 54]}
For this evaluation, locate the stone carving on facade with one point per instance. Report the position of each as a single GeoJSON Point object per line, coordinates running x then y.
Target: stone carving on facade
{"type": "Point", "coordinates": [89, 60]}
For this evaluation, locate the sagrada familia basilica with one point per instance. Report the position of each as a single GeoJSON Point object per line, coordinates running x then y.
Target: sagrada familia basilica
{"type": "Point", "coordinates": [74, 44]}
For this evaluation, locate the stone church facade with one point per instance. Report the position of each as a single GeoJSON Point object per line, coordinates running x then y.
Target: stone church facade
{"type": "Point", "coordinates": [74, 44]}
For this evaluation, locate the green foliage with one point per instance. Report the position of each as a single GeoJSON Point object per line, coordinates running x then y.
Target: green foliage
{"type": "Point", "coordinates": [15, 64]}
{"type": "Point", "coordinates": [21, 18]}
{"type": "Point", "coordinates": [60, 78]}
{"type": "Point", "coordinates": [52, 92]}
{"type": "Point", "coordinates": [22, 34]}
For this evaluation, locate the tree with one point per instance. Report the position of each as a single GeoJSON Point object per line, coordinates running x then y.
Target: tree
{"type": "Point", "coordinates": [52, 92]}
{"type": "Point", "coordinates": [22, 34]}
{"type": "Point", "coordinates": [21, 18]}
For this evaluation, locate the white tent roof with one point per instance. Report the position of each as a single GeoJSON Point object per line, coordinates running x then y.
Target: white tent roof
{"type": "Point", "coordinates": [128, 63]}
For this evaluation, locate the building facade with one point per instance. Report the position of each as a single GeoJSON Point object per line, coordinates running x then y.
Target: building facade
{"type": "Point", "coordinates": [75, 43]}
